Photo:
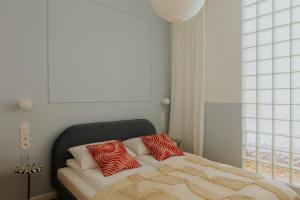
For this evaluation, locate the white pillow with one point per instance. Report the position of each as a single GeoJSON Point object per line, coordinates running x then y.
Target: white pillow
{"type": "Point", "coordinates": [137, 146]}
{"type": "Point", "coordinates": [85, 159]}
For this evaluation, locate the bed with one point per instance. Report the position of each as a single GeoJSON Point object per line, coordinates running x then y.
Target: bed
{"type": "Point", "coordinates": [89, 133]}
{"type": "Point", "coordinates": [175, 178]}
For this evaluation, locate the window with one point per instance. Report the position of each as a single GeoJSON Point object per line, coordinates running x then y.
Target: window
{"type": "Point", "coordinates": [271, 88]}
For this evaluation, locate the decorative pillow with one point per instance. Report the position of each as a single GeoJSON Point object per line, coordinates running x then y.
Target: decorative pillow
{"type": "Point", "coordinates": [161, 146]}
{"type": "Point", "coordinates": [84, 157]}
{"type": "Point", "coordinates": [137, 146]}
{"type": "Point", "coordinates": [112, 157]}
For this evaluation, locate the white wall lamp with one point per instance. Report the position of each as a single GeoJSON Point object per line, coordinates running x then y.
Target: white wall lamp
{"type": "Point", "coordinates": [165, 101]}
{"type": "Point", "coordinates": [177, 10]}
{"type": "Point", "coordinates": [25, 104]}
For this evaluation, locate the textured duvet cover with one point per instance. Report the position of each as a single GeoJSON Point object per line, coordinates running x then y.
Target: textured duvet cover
{"type": "Point", "coordinates": [196, 178]}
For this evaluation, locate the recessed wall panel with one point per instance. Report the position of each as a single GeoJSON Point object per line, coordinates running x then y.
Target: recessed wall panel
{"type": "Point", "coordinates": [97, 53]}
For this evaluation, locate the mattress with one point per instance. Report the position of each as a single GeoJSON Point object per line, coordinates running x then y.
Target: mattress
{"type": "Point", "coordinates": [95, 178]}
{"type": "Point", "coordinates": [75, 184]}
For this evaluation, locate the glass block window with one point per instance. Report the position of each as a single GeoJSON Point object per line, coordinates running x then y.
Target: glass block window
{"type": "Point", "coordinates": [271, 88]}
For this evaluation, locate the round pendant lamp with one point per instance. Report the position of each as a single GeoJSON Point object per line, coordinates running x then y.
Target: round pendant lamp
{"type": "Point", "coordinates": [177, 10]}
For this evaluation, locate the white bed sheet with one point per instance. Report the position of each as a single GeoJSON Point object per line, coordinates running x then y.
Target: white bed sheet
{"type": "Point", "coordinates": [75, 184]}
{"type": "Point", "coordinates": [95, 178]}
{"type": "Point", "coordinates": [150, 160]}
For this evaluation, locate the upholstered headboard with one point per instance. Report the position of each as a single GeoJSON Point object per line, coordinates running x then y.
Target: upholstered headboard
{"type": "Point", "coordinates": [95, 132]}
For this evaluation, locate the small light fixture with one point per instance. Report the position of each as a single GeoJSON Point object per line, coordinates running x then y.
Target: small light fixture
{"type": "Point", "coordinates": [25, 104]}
{"type": "Point", "coordinates": [165, 101]}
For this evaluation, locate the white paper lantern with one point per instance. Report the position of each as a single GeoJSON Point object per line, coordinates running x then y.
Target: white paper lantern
{"type": "Point", "coordinates": [177, 10]}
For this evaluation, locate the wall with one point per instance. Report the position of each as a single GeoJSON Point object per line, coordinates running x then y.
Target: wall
{"type": "Point", "coordinates": [23, 73]}
{"type": "Point", "coordinates": [223, 110]}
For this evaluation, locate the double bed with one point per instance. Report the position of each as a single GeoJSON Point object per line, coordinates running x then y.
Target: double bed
{"type": "Point", "coordinates": [178, 177]}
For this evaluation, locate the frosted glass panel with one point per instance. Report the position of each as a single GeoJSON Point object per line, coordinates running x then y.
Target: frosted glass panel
{"type": "Point", "coordinates": [282, 127]}
{"type": "Point", "coordinates": [250, 40]}
{"type": "Point", "coordinates": [273, 144]}
{"type": "Point", "coordinates": [250, 139]}
{"type": "Point", "coordinates": [282, 143]}
{"type": "Point", "coordinates": [250, 110]}
{"type": "Point", "coordinates": [265, 22]}
{"type": "Point", "coordinates": [282, 80]}
{"type": "Point", "coordinates": [282, 112]}
{"type": "Point", "coordinates": [265, 155]}
{"type": "Point", "coordinates": [250, 68]}
{"type": "Point", "coordinates": [250, 152]}
{"type": "Point", "coordinates": [295, 80]}
{"type": "Point", "coordinates": [250, 12]}
{"type": "Point", "coordinates": [296, 145]}
{"type": "Point", "coordinates": [265, 111]}
{"type": "Point", "coordinates": [296, 63]}
{"type": "Point", "coordinates": [282, 159]}
{"type": "Point", "coordinates": [265, 169]}
{"type": "Point", "coordinates": [296, 30]}
{"type": "Point", "coordinates": [282, 18]}
{"type": "Point", "coordinates": [264, 67]}
{"type": "Point", "coordinates": [250, 54]}
{"type": "Point", "coordinates": [265, 7]}
{"type": "Point", "coordinates": [296, 14]}
{"type": "Point", "coordinates": [296, 129]}
{"type": "Point", "coordinates": [296, 47]}
{"type": "Point", "coordinates": [250, 96]}
{"type": "Point", "coordinates": [249, 165]}
{"type": "Point", "coordinates": [282, 33]}
{"type": "Point", "coordinates": [281, 65]}
{"type": "Point", "coordinates": [296, 112]}
{"type": "Point", "coordinates": [248, 2]}
{"type": "Point", "coordinates": [282, 49]}
{"type": "Point", "coordinates": [265, 81]}
{"type": "Point", "coordinates": [265, 126]}
{"type": "Point", "coordinates": [250, 26]}
{"type": "Point", "coordinates": [296, 163]}
{"type": "Point", "coordinates": [296, 96]}
{"type": "Point", "coordinates": [250, 82]}
{"type": "Point", "coordinates": [249, 125]}
{"type": "Point", "coordinates": [295, 2]}
{"type": "Point", "coordinates": [264, 37]}
{"type": "Point", "coordinates": [264, 96]}
{"type": "Point", "coordinates": [296, 178]}
{"type": "Point", "coordinates": [282, 174]}
{"type": "Point", "coordinates": [281, 4]}
{"type": "Point", "coordinates": [265, 52]}
{"type": "Point", "coordinates": [265, 141]}
{"type": "Point", "coordinates": [282, 96]}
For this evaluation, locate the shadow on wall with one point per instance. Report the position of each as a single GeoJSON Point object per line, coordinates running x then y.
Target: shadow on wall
{"type": "Point", "coordinates": [223, 133]}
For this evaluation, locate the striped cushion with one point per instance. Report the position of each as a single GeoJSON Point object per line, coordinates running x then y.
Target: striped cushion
{"type": "Point", "coordinates": [161, 146]}
{"type": "Point", "coordinates": [112, 157]}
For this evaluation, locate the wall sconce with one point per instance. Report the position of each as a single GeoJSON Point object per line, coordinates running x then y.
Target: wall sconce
{"type": "Point", "coordinates": [25, 104]}
{"type": "Point", "coordinates": [165, 101]}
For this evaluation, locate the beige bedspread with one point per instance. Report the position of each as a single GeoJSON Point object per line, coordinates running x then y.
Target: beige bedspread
{"type": "Point", "coordinates": [195, 178]}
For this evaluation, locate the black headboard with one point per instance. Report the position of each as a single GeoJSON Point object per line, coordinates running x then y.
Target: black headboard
{"type": "Point", "coordinates": [95, 132]}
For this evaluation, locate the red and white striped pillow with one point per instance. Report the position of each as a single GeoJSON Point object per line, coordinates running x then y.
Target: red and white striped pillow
{"type": "Point", "coordinates": [112, 157]}
{"type": "Point", "coordinates": [161, 146]}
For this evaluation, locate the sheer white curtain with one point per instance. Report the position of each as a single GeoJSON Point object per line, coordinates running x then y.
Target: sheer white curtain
{"type": "Point", "coordinates": [188, 83]}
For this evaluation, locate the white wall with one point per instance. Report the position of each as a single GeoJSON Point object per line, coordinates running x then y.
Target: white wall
{"type": "Point", "coordinates": [23, 73]}
{"type": "Point", "coordinates": [223, 110]}
{"type": "Point", "coordinates": [223, 51]}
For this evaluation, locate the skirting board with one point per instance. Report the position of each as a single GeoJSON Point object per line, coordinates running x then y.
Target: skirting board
{"type": "Point", "coordinates": [47, 196]}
